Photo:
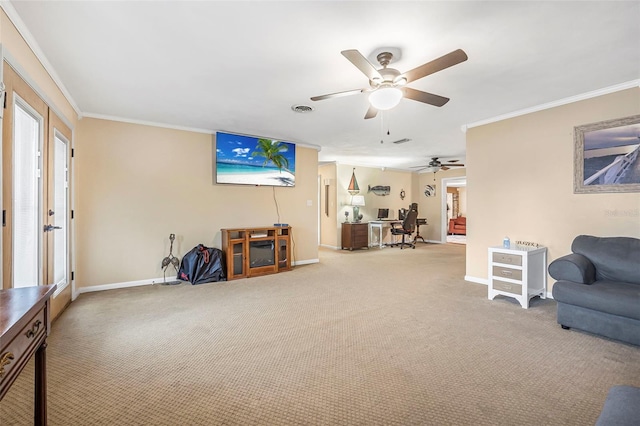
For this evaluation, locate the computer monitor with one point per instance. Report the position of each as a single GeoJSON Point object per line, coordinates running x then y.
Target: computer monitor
{"type": "Point", "coordinates": [383, 214]}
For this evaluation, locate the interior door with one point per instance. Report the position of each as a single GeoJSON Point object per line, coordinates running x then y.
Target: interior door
{"type": "Point", "coordinates": [35, 199]}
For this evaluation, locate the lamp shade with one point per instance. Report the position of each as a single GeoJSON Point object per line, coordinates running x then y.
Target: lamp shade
{"type": "Point", "coordinates": [385, 98]}
{"type": "Point", "coordinates": [357, 200]}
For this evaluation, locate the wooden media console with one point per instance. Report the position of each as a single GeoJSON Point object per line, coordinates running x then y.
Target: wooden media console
{"type": "Point", "coordinates": [251, 252]}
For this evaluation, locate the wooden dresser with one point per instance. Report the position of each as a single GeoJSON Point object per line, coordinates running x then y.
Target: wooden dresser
{"type": "Point", "coordinates": [24, 327]}
{"type": "Point", "coordinates": [355, 235]}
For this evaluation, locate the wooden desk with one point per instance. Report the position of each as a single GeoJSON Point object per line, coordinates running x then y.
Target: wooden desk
{"type": "Point", "coordinates": [24, 327]}
{"type": "Point", "coordinates": [380, 224]}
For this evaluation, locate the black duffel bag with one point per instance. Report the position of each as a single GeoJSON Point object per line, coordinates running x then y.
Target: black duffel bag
{"type": "Point", "coordinates": [202, 265]}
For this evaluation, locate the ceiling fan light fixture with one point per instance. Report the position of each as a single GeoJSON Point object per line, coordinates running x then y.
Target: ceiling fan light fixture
{"type": "Point", "coordinates": [400, 80]}
{"type": "Point", "coordinates": [385, 98]}
{"type": "Point", "coordinates": [432, 169]}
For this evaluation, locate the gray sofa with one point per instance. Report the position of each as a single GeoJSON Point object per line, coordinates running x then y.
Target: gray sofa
{"type": "Point", "coordinates": [621, 408]}
{"type": "Point", "coordinates": [598, 287]}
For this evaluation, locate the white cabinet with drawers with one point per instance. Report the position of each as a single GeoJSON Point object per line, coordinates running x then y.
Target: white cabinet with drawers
{"type": "Point", "coordinates": [519, 272]}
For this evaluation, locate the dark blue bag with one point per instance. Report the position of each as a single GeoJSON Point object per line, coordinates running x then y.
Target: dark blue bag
{"type": "Point", "coordinates": [202, 265]}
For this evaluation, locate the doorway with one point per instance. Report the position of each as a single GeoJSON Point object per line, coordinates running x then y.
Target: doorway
{"type": "Point", "coordinates": [454, 204]}
{"type": "Point", "coordinates": [36, 213]}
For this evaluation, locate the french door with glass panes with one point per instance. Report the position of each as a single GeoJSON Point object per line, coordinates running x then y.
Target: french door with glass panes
{"type": "Point", "coordinates": [35, 199]}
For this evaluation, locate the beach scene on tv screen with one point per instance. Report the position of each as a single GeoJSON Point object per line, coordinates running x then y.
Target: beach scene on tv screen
{"type": "Point", "coordinates": [250, 160]}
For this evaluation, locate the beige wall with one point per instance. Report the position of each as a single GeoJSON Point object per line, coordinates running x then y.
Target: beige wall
{"type": "Point", "coordinates": [328, 236]}
{"type": "Point", "coordinates": [412, 183]}
{"type": "Point", "coordinates": [520, 182]}
{"type": "Point", "coordinates": [366, 176]}
{"type": "Point", "coordinates": [462, 200]}
{"type": "Point", "coordinates": [138, 184]}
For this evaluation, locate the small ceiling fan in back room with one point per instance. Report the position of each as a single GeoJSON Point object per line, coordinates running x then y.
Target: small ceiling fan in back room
{"type": "Point", "coordinates": [436, 165]}
{"type": "Point", "coordinates": [387, 86]}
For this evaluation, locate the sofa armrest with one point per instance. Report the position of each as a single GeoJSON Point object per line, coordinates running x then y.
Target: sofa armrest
{"type": "Point", "coordinates": [573, 267]}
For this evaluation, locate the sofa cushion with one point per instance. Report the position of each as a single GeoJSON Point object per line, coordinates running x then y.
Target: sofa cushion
{"type": "Point", "coordinates": [615, 258]}
{"type": "Point", "coordinates": [573, 267]}
{"type": "Point", "coordinates": [612, 297]}
{"type": "Point", "coordinates": [461, 220]}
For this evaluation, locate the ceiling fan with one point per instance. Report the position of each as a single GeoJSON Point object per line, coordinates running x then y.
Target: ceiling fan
{"type": "Point", "coordinates": [387, 85]}
{"type": "Point", "coordinates": [435, 165]}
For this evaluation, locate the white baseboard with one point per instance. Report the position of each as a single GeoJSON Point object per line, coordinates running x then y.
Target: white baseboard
{"type": "Point", "coordinates": [484, 281]}
{"type": "Point", "coordinates": [306, 262]}
{"type": "Point", "coordinates": [330, 247]}
{"type": "Point", "coordinates": [122, 285]}
{"type": "Point", "coordinates": [151, 281]}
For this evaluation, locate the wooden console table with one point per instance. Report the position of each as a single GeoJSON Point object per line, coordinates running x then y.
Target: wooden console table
{"type": "Point", "coordinates": [24, 327]}
{"type": "Point", "coordinates": [251, 252]}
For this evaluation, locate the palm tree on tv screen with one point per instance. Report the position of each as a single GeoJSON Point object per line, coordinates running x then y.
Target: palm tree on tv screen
{"type": "Point", "coordinates": [271, 152]}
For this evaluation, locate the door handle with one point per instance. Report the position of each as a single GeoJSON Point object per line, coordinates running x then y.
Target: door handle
{"type": "Point", "coordinates": [49, 228]}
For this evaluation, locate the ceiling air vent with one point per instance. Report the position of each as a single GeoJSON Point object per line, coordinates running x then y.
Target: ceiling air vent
{"type": "Point", "coordinates": [405, 140]}
{"type": "Point", "coordinates": [302, 108]}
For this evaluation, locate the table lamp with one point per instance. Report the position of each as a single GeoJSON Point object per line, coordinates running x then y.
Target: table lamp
{"type": "Point", "coordinates": [357, 201]}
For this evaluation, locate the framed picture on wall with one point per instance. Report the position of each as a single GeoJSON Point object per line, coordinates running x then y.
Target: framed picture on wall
{"type": "Point", "coordinates": [607, 156]}
{"type": "Point", "coordinates": [430, 190]}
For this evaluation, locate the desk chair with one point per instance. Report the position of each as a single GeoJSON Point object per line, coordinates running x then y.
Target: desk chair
{"type": "Point", "coordinates": [408, 227]}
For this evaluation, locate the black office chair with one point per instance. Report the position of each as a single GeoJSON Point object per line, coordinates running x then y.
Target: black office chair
{"type": "Point", "coordinates": [408, 227]}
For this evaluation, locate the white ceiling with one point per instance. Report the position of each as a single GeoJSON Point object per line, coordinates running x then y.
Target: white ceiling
{"type": "Point", "coordinates": [240, 66]}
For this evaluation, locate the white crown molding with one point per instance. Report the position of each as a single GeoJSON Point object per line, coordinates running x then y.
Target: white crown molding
{"type": "Point", "coordinates": [171, 126]}
{"type": "Point", "coordinates": [369, 166]}
{"type": "Point", "coordinates": [588, 95]}
{"type": "Point", "coordinates": [35, 48]}
{"type": "Point", "coordinates": [147, 123]}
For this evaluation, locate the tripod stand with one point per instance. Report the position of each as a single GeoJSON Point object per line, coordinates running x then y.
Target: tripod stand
{"type": "Point", "coordinates": [418, 236]}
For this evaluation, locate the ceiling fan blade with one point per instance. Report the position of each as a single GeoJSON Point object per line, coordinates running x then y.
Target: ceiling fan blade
{"type": "Point", "coordinates": [454, 165]}
{"type": "Point", "coordinates": [444, 168]}
{"type": "Point", "coordinates": [419, 167]}
{"type": "Point", "coordinates": [371, 112]}
{"type": "Point", "coordinates": [337, 95]}
{"type": "Point", "coordinates": [427, 98]}
{"type": "Point", "coordinates": [443, 62]}
{"type": "Point", "coordinates": [362, 64]}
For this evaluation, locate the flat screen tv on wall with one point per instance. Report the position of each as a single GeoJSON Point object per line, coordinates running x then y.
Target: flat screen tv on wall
{"type": "Point", "coordinates": [252, 160]}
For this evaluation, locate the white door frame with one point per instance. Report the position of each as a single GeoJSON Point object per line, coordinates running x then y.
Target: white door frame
{"type": "Point", "coordinates": [443, 204]}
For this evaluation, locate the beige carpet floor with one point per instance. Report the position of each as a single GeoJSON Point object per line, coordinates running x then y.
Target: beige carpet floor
{"type": "Point", "coordinates": [369, 337]}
